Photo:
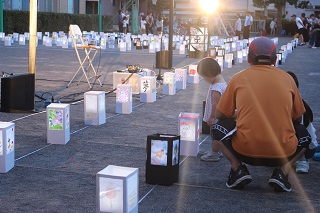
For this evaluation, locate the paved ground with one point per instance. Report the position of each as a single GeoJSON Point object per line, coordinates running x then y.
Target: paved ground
{"type": "Point", "coordinates": [62, 178]}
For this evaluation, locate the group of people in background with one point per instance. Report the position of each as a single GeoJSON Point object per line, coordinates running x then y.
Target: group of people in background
{"type": "Point", "coordinates": [123, 21]}
{"type": "Point", "coordinates": [308, 30]}
{"type": "Point", "coordinates": [246, 27]}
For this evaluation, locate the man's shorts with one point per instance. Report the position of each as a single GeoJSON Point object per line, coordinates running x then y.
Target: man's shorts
{"type": "Point", "coordinates": [224, 129]}
{"type": "Point", "coordinates": [301, 31]}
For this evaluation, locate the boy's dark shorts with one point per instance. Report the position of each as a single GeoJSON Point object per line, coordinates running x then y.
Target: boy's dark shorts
{"type": "Point", "coordinates": [301, 31]}
{"type": "Point", "coordinates": [221, 128]}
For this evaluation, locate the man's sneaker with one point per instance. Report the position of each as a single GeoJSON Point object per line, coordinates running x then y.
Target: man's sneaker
{"type": "Point", "coordinates": [211, 156]}
{"type": "Point", "coordinates": [314, 47]}
{"type": "Point", "coordinates": [302, 167]}
{"type": "Point", "coordinates": [279, 181]}
{"type": "Point", "coordinates": [239, 178]}
{"type": "Point", "coordinates": [302, 43]}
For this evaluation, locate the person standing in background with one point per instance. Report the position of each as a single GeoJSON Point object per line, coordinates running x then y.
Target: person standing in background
{"type": "Point", "coordinates": [273, 26]}
{"type": "Point", "coordinates": [247, 25]}
{"type": "Point", "coordinates": [238, 26]}
{"type": "Point", "coordinates": [149, 25]}
{"type": "Point", "coordinates": [120, 19]}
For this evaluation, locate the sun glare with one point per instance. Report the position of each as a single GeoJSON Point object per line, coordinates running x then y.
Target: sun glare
{"type": "Point", "coordinates": [209, 6]}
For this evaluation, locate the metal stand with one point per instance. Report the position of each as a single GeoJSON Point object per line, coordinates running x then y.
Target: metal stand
{"type": "Point", "coordinates": [159, 77]}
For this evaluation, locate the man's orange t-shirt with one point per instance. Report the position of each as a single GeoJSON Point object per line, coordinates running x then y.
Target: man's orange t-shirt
{"type": "Point", "coordinates": [267, 100]}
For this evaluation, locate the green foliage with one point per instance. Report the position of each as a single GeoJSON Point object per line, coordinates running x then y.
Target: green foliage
{"type": "Point", "coordinates": [280, 3]}
{"type": "Point", "coordinates": [18, 21]}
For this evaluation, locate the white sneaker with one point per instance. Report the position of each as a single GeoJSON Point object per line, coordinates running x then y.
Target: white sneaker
{"type": "Point", "coordinates": [302, 166]}
{"type": "Point", "coordinates": [314, 47]}
{"type": "Point", "coordinates": [211, 156]}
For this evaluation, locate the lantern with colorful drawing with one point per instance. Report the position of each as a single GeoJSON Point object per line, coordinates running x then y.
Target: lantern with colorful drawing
{"type": "Point", "coordinates": [7, 145]}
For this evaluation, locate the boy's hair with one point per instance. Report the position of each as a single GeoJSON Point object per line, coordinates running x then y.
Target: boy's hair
{"type": "Point", "coordinates": [308, 115]}
{"type": "Point", "coordinates": [208, 67]}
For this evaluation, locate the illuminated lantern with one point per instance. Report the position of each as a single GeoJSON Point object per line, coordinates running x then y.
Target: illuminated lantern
{"type": "Point", "coordinates": [228, 59]}
{"type": "Point", "coordinates": [7, 41]}
{"type": "Point", "coordinates": [238, 46]}
{"type": "Point", "coordinates": [189, 133]}
{"type": "Point", "coordinates": [138, 45]}
{"type": "Point", "coordinates": [22, 40]}
{"type": "Point", "coordinates": [135, 39]}
{"type": "Point", "coordinates": [48, 42]}
{"type": "Point", "coordinates": [169, 83]}
{"type": "Point", "coordinates": [289, 47]}
{"type": "Point", "coordinates": [2, 35]}
{"type": "Point", "coordinates": [103, 43]}
{"type": "Point", "coordinates": [117, 189]}
{"type": "Point", "coordinates": [39, 35]}
{"type": "Point", "coordinates": [58, 123]}
{"type": "Point", "coordinates": [124, 99]}
{"type": "Point", "coordinates": [212, 52]}
{"type": "Point", "coordinates": [26, 35]}
{"type": "Point", "coordinates": [64, 42]}
{"type": "Point", "coordinates": [148, 90]}
{"type": "Point", "coordinates": [163, 156]}
{"type": "Point", "coordinates": [145, 44]}
{"type": "Point", "coordinates": [152, 48]}
{"type": "Point", "coordinates": [182, 48]}
{"type": "Point", "coordinates": [123, 46]}
{"type": "Point", "coordinates": [240, 56]}
{"type": "Point", "coordinates": [181, 78]}
{"type": "Point", "coordinates": [94, 108]}
{"type": "Point", "coordinates": [7, 146]}
{"type": "Point", "coordinates": [279, 58]}
{"type": "Point", "coordinates": [245, 54]}
{"type": "Point", "coordinates": [194, 77]}
{"type": "Point", "coordinates": [220, 61]}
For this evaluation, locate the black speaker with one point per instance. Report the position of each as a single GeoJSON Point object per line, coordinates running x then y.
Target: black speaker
{"type": "Point", "coordinates": [162, 59]}
{"type": "Point", "coordinates": [17, 93]}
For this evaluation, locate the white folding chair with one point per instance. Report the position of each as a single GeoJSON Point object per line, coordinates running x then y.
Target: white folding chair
{"type": "Point", "coordinates": [90, 53]}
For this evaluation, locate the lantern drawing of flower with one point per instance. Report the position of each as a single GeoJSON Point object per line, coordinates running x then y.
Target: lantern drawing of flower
{"type": "Point", "coordinates": [55, 119]}
{"type": "Point", "coordinates": [10, 140]}
{"type": "Point", "coordinates": [110, 192]}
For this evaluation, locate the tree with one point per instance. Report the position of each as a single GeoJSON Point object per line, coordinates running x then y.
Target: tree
{"type": "Point", "coordinates": [280, 5]}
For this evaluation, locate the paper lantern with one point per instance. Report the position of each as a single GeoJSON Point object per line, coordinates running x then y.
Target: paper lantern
{"type": "Point", "coordinates": [182, 49]}
{"type": "Point", "coordinates": [194, 77]}
{"type": "Point", "coordinates": [228, 60]}
{"type": "Point", "coordinates": [58, 123]}
{"type": "Point", "coordinates": [169, 83]}
{"type": "Point", "coordinates": [189, 133]}
{"type": "Point", "coordinates": [279, 58]}
{"type": "Point", "coordinates": [22, 40]}
{"type": "Point", "coordinates": [103, 43]}
{"type": "Point", "coordinates": [181, 78]}
{"type": "Point", "coordinates": [220, 61]}
{"type": "Point", "coordinates": [117, 189]}
{"type": "Point", "coordinates": [145, 44]}
{"type": "Point", "coordinates": [2, 35]}
{"type": "Point", "coordinates": [123, 46]}
{"type": "Point", "coordinates": [148, 90]}
{"type": "Point", "coordinates": [7, 41]}
{"type": "Point", "coordinates": [124, 99]}
{"type": "Point", "coordinates": [7, 146]}
{"type": "Point", "coordinates": [163, 156]}
{"type": "Point", "coordinates": [289, 47]}
{"type": "Point", "coordinates": [240, 56]}
{"type": "Point", "coordinates": [212, 52]}
{"type": "Point", "coordinates": [64, 42]}
{"type": "Point", "coordinates": [94, 108]}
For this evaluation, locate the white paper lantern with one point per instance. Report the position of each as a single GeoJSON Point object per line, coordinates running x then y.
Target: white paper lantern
{"type": "Point", "coordinates": [148, 90]}
{"type": "Point", "coordinates": [58, 123]}
{"type": "Point", "coordinates": [189, 130]}
{"type": "Point", "coordinates": [169, 83]}
{"type": "Point", "coordinates": [181, 78]}
{"type": "Point", "coordinates": [94, 108]}
{"type": "Point", "coordinates": [124, 99]}
{"type": "Point", "coordinates": [117, 189]}
{"type": "Point", "coordinates": [194, 77]}
{"type": "Point", "coordinates": [7, 146]}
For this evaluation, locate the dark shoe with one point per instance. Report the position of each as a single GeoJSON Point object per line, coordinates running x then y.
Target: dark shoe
{"type": "Point", "coordinates": [237, 179]}
{"type": "Point", "coordinates": [279, 181]}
